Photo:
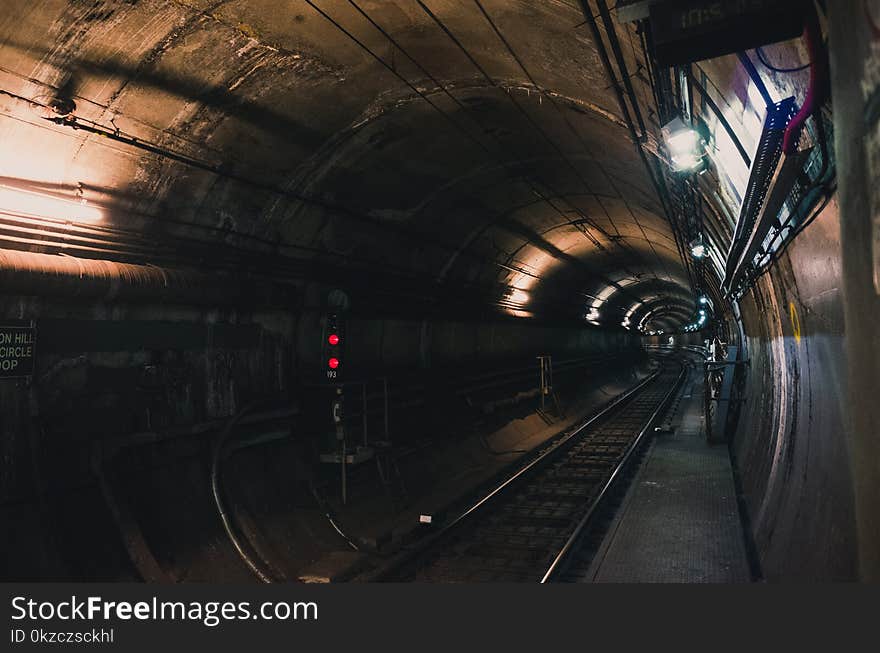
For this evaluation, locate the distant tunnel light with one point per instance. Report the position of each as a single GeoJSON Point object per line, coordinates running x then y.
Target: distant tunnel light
{"type": "Point", "coordinates": [25, 202]}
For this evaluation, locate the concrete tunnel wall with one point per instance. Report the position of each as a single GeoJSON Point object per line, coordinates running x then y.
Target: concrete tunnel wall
{"type": "Point", "coordinates": [791, 445]}
{"type": "Point", "coordinates": [147, 366]}
{"type": "Point", "coordinates": [110, 370]}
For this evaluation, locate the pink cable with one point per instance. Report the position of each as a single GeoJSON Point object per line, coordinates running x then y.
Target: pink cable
{"type": "Point", "coordinates": [817, 91]}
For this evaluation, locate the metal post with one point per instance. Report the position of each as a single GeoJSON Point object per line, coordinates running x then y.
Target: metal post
{"type": "Point", "coordinates": [543, 382]}
{"type": "Point", "coordinates": [364, 396]}
{"type": "Point", "coordinates": [344, 488]}
{"type": "Point", "coordinates": [755, 77]}
{"type": "Point", "coordinates": [338, 414]}
{"type": "Point", "coordinates": [385, 392]}
{"type": "Point", "coordinates": [717, 428]}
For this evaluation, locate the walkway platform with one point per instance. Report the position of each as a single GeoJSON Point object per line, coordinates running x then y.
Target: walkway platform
{"type": "Point", "coordinates": [679, 521]}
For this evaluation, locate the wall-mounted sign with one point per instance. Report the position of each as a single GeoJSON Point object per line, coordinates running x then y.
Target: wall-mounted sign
{"type": "Point", "coordinates": [692, 30]}
{"type": "Point", "coordinates": [17, 348]}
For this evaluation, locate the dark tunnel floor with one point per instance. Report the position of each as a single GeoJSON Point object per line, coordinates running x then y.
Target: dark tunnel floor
{"type": "Point", "coordinates": [441, 478]}
{"type": "Point", "coordinates": [679, 521]}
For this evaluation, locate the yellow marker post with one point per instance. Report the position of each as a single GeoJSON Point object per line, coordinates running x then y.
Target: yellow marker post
{"type": "Point", "coordinates": [795, 322]}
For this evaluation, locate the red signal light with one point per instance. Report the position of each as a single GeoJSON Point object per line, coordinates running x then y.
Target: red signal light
{"type": "Point", "coordinates": [333, 339]}
{"type": "Point", "coordinates": [333, 363]}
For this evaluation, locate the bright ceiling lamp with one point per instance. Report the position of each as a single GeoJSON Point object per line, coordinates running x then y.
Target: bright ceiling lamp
{"type": "Point", "coordinates": [698, 248]}
{"type": "Point", "coordinates": [684, 144]}
{"type": "Point", "coordinates": [25, 202]}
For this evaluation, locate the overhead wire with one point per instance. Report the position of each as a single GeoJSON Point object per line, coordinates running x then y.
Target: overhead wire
{"type": "Point", "coordinates": [776, 69]}
{"type": "Point", "coordinates": [455, 100]}
{"type": "Point", "coordinates": [443, 89]}
{"type": "Point", "coordinates": [538, 129]}
{"type": "Point", "coordinates": [655, 174]}
{"type": "Point", "coordinates": [587, 148]}
{"type": "Point", "coordinates": [460, 105]}
{"type": "Point", "coordinates": [662, 110]}
{"type": "Point", "coordinates": [114, 135]}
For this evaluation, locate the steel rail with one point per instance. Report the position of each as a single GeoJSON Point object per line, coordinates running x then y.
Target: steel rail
{"type": "Point", "coordinates": [558, 447]}
{"type": "Point", "coordinates": [560, 562]}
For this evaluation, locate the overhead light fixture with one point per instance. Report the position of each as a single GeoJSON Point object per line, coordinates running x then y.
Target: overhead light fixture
{"type": "Point", "coordinates": [16, 201]}
{"type": "Point", "coordinates": [698, 249]}
{"type": "Point", "coordinates": [684, 144]}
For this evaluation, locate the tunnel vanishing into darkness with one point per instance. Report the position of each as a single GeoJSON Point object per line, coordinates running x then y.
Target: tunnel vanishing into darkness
{"type": "Point", "coordinates": [196, 194]}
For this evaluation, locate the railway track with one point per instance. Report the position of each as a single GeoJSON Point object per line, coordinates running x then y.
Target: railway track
{"type": "Point", "coordinates": [527, 527]}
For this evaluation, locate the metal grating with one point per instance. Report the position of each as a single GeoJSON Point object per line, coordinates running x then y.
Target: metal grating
{"type": "Point", "coordinates": [765, 162]}
{"type": "Point", "coordinates": [804, 194]}
{"type": "Point", "coordinates": [805, 184]}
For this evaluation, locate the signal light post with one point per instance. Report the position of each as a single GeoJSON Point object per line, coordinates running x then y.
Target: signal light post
{"type": "Point", "coordinates": [334, 341]}
{"type": "Point", "coordinates": [332, 357]}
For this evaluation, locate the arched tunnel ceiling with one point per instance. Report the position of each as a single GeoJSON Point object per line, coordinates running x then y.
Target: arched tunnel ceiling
{"type": "Point", "coordinates": [272, 127]}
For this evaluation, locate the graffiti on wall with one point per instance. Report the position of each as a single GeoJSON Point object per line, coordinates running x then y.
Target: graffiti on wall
{"type": "Point", "coordinates": [871, 96]}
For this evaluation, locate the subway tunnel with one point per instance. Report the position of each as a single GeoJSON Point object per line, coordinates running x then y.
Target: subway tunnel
{"type": "Point", "coordinates": [289, 285]}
